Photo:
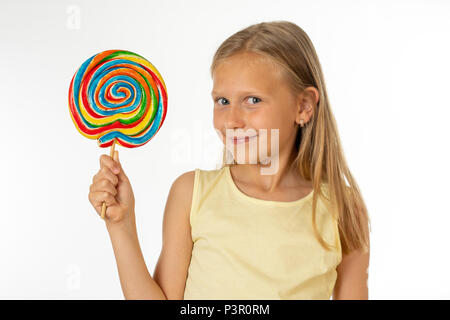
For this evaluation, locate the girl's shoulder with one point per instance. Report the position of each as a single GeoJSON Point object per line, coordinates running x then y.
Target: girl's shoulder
{"type": "Point", "coordinates": [183, 186]}
{"type": "Point", "coordinates": [190, 183]}
{"type": "Point", "coordinates": [181, 192]}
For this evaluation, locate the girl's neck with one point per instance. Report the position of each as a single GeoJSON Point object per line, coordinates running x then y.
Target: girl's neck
{"type": "Point", "coordinates": [287, 176]}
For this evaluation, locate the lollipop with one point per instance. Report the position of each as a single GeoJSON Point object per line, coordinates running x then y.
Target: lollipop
{"type": "Point", "coordinates": [117, 96]}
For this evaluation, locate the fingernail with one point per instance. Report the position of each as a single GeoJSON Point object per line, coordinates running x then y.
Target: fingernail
{"type": "Point", "coordinates": [116, 170]}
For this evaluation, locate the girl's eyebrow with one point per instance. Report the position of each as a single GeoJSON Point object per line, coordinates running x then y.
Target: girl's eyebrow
{"type": "Point", "coordinates": [257, 92]}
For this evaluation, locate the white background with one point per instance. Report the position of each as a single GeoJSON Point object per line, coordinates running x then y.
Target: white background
{"type": "Point", "coordinates": [386, 65]}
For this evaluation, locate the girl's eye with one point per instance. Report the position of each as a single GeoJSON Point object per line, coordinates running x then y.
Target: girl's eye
{"type": "Point", "coordinates": [218, 99]}
{"type": "Point", "coordinates": [252, 99]}
{"type": "Point", "coordinates": [225, 101]}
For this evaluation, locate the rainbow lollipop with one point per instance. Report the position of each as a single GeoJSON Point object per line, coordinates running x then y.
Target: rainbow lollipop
{"type": "Point", "coordinates": [118, 96]}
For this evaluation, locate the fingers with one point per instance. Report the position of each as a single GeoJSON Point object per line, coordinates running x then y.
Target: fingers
{"type": "Point", "coordinates": [107, 162]}
{"type": "Point", "coordinates": [105, 173]}
{"type": "Point", "coordinates": [103, 188]}
{"type": "Point", "coordinates": [103, 185]}
{"type": "Point", "coordinates": [112, 164]}
{"type": "Point", "coordinates": [97, 198]}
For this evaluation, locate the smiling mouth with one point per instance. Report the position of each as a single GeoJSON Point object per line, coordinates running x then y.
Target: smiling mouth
{"type": "Point", "coordinates": [236, 140]}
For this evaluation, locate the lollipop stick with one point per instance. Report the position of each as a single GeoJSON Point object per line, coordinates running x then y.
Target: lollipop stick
{"type": "Point", "coordinates": [111, 154]}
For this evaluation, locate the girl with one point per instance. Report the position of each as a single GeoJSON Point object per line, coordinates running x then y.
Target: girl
{"type": "Point", "coordinates": [300, 232]}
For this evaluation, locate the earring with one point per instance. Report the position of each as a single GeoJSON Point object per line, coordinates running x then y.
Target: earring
{"type": "Point", "coordinates": [301, 123]}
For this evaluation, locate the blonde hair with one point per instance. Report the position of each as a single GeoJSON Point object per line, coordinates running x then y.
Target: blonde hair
{"type": "Point", "coordinates": [320, 157]}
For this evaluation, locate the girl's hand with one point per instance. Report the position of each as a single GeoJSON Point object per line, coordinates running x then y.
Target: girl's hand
{"type": "Point", "coordinates": [112, 186]}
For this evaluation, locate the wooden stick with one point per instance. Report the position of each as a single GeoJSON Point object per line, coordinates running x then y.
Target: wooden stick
{"type": "Point", "coordinates": [111, 154]}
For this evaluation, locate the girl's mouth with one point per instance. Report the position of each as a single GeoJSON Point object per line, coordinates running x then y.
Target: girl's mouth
{"type": "Point", "coordinates": [236, 140]}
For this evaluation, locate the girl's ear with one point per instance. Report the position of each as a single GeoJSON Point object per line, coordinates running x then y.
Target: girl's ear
{"type": "Point", "coordinates": [312, 95]}
{"type": "Point", "coordinates": [309, 99]}
{"type": "Point", "coordinates": [305, 113]}
{"type": "Point", "coordinates": [305, 101]}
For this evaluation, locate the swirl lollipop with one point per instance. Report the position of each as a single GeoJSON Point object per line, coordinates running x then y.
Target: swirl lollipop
{"type": "Point", "coordinates": [117, 96]}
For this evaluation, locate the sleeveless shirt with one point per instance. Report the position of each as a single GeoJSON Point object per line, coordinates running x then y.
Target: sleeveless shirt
{"type": "Point", "coordinates": [250, 248]}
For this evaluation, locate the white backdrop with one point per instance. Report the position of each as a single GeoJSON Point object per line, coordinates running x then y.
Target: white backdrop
{"type": "Point", "coordinates": [386, 66]}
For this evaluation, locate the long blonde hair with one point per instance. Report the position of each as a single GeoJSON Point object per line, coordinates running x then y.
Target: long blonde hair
{"type": "Point", "coordinates": [320, 157]}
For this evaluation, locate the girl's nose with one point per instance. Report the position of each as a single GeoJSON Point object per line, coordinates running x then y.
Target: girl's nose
{"type": "Point", "coordinates": [234, 118]}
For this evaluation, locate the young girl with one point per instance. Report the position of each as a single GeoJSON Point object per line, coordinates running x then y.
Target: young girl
{"type": "Point", "coordinates": [301, 232]}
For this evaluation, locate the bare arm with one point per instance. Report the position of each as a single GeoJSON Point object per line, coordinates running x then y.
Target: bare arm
{"type": "Point", "coordinates": [351, 283]}
{"type": "Point", "coordinates": [112, 186]}
{"type": "Point", "coordinates": [171, 270]}
{"type": "Point", "coordinates": [172, 267]}
{"type": "Point", "coordinates": [134, 277]}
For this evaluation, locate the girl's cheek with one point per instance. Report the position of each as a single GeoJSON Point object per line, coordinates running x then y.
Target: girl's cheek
{"type": "Point", "coordinates": [217, 122]}
{"type": "Point", "coordinates": [262, 122]}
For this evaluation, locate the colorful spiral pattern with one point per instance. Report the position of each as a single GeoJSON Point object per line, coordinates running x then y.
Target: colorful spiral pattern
{"type": "Point", "coordinates": [118, 96]}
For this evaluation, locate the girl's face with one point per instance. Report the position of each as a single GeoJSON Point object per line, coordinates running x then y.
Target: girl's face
{"type": "Point", "coordinates": [249, 92]}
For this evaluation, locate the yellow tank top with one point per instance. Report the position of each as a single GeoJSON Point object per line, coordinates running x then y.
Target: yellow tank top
{"type": "Point", "coordinates": [249, 248]}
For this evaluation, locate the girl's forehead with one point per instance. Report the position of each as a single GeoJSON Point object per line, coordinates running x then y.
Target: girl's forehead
{"type": "Point", "coordinates": [247, 73]}
{"type": "Point", "coordinates": [248, 61]}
